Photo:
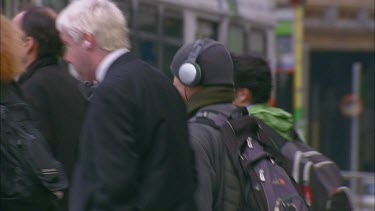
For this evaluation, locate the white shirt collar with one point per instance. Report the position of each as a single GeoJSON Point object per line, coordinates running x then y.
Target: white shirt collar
{"type": "Point", "coordinates": [107, 61]}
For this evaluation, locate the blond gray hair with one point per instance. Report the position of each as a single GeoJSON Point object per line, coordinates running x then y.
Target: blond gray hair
{"type": "Point", "coordinates": [11, 48]}
{"type": "Point", "coordinates": [100, 18]}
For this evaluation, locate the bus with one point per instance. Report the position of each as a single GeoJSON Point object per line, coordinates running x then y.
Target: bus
{"type": "Point", "coordinates": [158, 28]}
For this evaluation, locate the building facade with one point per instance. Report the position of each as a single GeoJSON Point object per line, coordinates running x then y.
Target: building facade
{"type": "Point", "coordinates": [338, 64]}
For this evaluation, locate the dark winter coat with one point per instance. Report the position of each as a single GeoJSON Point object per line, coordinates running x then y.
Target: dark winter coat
{"type": "Point", "coordinates": [218, 187]}
{"type": "Point", "coordinates": [29, 172]}
{"type": "Point", "coordinates": [134, 152]}
{"type": "Point", "coordinates": [59, 105]}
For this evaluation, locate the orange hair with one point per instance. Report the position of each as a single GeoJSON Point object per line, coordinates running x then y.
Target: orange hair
{"type": "Point", "coordinates": [10, 51]}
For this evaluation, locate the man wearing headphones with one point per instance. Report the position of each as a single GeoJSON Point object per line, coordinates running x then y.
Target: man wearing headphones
{"type": "Point", "coordinates": [203, 74]}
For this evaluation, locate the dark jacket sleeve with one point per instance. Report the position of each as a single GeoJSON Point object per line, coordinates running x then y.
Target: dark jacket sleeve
{"type": "Point", "coordinates": [36, 95]}
{"type": "Point", "coordinates": [16, 114]}
{"type": "Point", "coordinates": [114, 153]}
{"type": "Point", "coordinates": [45, 166]}
{"type": "Point", "coordinates": [34, 149]}
{"type": "Point", "coordinates": [204, 142]}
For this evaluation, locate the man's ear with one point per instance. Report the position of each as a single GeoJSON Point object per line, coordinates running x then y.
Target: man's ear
{"type": "Point", "coordinates": [30, 44]}
{"type": "Point", "coordinates": [88, 42]}
{"type": "Point", "coordinates": [242, 97]}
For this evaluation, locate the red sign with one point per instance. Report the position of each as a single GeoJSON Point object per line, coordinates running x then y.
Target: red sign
{"type": "Point", "coordinates": [351, 105]}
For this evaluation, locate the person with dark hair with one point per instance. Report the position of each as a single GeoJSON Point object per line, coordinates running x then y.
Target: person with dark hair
{"type": "Point", "coordinates": [38, 25]}
{"type": "Point", "coordinates": [203, 74]}
{"type": "Point", "coordinates": [53, 93]}
{"type": "Point", "coordinates": [31, 179]}
{"type": "Point", "coordinates": [253, 85]}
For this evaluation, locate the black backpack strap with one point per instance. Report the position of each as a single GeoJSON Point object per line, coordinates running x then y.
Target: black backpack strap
{"type": "Point", "coordinates": [273, 143]}
{"type": "Point", "coordinates": [218, 120]}
{"type": "Point", "coordinates": [216, 117]}
{"type": "Point", "coordinates": [269, 136]}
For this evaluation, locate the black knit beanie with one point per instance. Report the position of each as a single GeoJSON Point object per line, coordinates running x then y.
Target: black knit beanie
{"type": "Point", "coordinates": [214, 61]}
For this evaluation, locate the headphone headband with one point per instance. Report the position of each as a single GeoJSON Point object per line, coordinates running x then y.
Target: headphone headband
{"type": "Point", "coordinates": [195, 51]}
{"type": "Point", "coordinates": [189, 72]}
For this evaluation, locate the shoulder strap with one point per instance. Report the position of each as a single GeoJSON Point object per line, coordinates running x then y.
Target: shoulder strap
{"type": "Point", "coordinates": [217, 120]}
{"type": "Point", "coordinates": [222, 122]}
{"type": "Point", "coordinates": [236, 124]}
{"type": "Point", "coordinates": [220, 118]}
{"type": "Point", "coordinates": [269, 136]}
{"type": "Point", "coordinates": [216, 117]}
{"type": "Point", "coordinates": [274, 142]}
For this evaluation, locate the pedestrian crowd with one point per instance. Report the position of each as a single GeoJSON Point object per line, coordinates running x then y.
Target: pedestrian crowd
{"type": "Point", "coordinates": [122, 136]}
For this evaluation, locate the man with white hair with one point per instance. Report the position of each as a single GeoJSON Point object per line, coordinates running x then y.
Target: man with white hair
{"type": "Point", "coordinates": [134, 152]}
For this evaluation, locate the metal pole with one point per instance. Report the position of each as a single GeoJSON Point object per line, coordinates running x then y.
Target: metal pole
{"type": "Point", "coordinates": [354, 129]}
{"type": "Point", "coordinates": [298, 85]}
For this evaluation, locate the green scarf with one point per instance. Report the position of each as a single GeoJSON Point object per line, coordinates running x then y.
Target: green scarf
{"type": "Point", "coordinates": [276, 118]}
{"type": "Point", "coordinates": [208, 96]}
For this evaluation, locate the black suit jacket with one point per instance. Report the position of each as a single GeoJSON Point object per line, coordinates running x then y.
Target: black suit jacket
{"type": "Point", "coordinates": [134, 152]}
{"type": "Point", "coordinates": [59, 106]}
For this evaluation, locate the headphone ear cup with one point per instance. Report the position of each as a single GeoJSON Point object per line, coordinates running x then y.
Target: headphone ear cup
{"type": "Point", "coordinates": [198, 75]}
{"type": "Point", "coordinates": [189, 74]}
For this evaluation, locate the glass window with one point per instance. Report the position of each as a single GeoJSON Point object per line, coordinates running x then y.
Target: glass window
{"type": "Point", "coordinates": [285, 55]}
{"type": "Point", "coordinates": [153, 44]}
{"type": "Point", "coordinates": [257, 42]}
{"type": "Point", "coordinates": [56, 5]}
{"type": "Point", "coordinates": [168, 53]}
{"type": "Point", "coordinates": [148, 51]}
{"type": "Point", "coordinates": [284, 44]}
{"type": "Point", "coordinates": [172, 24]}
{"type": "Point", "coordinates": [236, 39]}
{"type": "Point", "coordinates": [22, 4]}
{"type": "Point", "coordinates": [147, 18]}
{"type": "Point", "coordinates": [11, 7]}
{"type": "Point", "coordinates": [207, 29]}
{"type": "Point", "coordinates": [126, 7]}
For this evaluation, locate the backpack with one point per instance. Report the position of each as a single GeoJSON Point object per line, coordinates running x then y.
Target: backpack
{"type": "Point", "coordinates": [28, 169]}
{"type": "Point", "coordinates": [265, 184]}
{"type": "Point", "coordinates": [318, 177]}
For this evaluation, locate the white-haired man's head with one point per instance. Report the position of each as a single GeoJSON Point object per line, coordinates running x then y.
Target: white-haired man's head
{"type": "Point", "coordinates": [90, 30]}
{"type": "Point", "coordinates": [100, 18]}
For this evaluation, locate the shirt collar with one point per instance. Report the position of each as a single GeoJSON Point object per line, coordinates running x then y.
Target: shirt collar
{"type": "Point", "coordinates": [249, 106]}
{"type": "Point", "coordinates": [107, 62]}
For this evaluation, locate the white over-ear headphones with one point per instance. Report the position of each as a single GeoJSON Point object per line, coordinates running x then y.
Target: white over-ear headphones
{"type": "Point", "coordinates": [189, 72]}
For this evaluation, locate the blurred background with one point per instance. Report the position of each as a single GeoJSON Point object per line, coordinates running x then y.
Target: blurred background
{"type": "Point", "coordinates": [321, 53]}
